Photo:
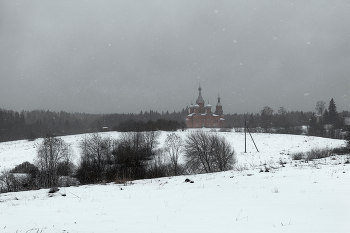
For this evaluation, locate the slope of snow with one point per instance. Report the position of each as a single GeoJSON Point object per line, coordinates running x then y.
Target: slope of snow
{"type": "Point", "coordinates": [300, 197]}
{"type": "Point", "coordinates": [272, 147]}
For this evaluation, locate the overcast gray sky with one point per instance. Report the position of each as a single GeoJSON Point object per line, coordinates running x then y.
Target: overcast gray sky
{"type": "Point", "coordinates": [127, 56]}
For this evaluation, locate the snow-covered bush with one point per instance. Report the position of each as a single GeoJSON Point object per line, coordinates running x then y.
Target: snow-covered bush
{"type": "Point", "coordinates": [298, 156]}
{"type": "Point", "coordinates": [316, 154]}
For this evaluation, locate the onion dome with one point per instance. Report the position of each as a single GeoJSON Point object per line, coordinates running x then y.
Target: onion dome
{"type": "Point", "coordinates": [191, 106]}
{"type": "Point", "coordinates": [200, 99]}
{"type": "Point", "coordinates": [218, 104]}
{"type": "Point", "coordinates": [208, 105]}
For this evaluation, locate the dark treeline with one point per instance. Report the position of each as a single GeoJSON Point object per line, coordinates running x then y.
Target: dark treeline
{"type": "Point", "coordinates": [325, 122]}
{"type": "Point", "coordinates": [289, 119]}
{"type": "Point", "coordinates": [112, 121]}
{"type": "Point", "coordinates": [39, 123]}
{"type": "Point", "coordinates": [140, 126]}
{"type": "Point", "coordinates": [34, 124]}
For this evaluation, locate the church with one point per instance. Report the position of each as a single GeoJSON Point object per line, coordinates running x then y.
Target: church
{"type": "Point", "coordinates": [200, 116]}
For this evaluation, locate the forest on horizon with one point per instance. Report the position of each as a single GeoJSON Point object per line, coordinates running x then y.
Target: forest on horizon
{"type": "Point", "coordinates": [39, 123]}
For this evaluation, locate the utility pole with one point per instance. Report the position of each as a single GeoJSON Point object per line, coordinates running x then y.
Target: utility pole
{"type": "Point", "coordinates": [246, 128]}
{"type": "Point", "coordinates": [245, 136]}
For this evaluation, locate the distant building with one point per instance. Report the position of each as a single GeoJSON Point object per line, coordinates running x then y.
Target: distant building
{"type": "Point", "coordinates": [200, 115]}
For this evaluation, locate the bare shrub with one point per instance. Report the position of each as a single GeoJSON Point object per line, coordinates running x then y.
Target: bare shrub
{"type": "Point", "coordinates": [298, 156]}
{"type": "Point", "coordinates": [14, 182]}
{"type": "Point", "coordinates": [223, 153]}
{"type": "Point", "coordinates": [66, 181]}
{"type": "Point", "coordinates": [173, 148]}
{"type": "Point", "coordinates": [340, 150]}
{"type": "Point", "coordinates": [65, 168]}
{"type": "Point", "coordinates": [122, 180]}
{"type": "Point", "coordinates": [150, 139]}
{"type": "Point", "coordinates": [240, 167]}
{"type": "Point", "coordinates": [206, 153]}
{"type": "Point", "coordinates": [159, 165]}
{"type": "Point", "coordinates": [313, 154]}
{"type": "Point", "coordinates": [225, 130]}
{"type": "Point", "coordinates": [318, 154]}
{"type": "Point", "coordinates": [106, 160]}
{"type": "Point", "coordinates": [197, 152]}
{"type": "Point", "coordinates": [51, 152]}
{"type": "Point", "coordinates": [25, 167]}
{"type": "Point", "coordinates": [132, 152]}
{"type": "Point", "coordinates": [96, 155]}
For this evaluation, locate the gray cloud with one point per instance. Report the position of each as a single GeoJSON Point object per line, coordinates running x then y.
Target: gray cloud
{"type": "Point", "coordinates": [127, 56]}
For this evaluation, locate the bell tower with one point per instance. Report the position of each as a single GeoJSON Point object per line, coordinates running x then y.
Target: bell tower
{"type": "Point", "coordinates": [200, 100]}
{"type": "Point", "coordinates": [218, 110]}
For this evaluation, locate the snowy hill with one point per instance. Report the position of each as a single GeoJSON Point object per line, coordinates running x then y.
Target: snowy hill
{"type": "Point", "coordinates": [271, 147]}
{"type": "Point", "coordinates": [300, 197]}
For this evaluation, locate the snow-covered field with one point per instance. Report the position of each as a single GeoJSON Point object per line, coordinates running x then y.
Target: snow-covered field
{"type": "Point", "coordinates": [300, 197]}
{"type": "Point", "coordinates": [272, 147]}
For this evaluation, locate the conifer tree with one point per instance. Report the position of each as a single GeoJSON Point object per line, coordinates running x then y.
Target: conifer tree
{"type": "Point", "coordinates": [312, 124]}
{"type": "Point", "coordinates": [332, 113]}
{"type": "Point", "coordinates": [326, 117]}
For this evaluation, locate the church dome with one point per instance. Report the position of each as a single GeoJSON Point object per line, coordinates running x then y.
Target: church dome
{"type": "Point", "coordinates": [218, 104]}
{"type": "Point", "coordinates": [200, 99]}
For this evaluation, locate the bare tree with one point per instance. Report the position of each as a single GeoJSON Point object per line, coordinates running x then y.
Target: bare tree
{"type": "Point", "coordinates": [206, 152]}
{"type": "Point", "coordinates": [132, 151]}
{"type": "Point", "coordinates": [96, 154]}
{"type": "Point", "coordinates": [320, 107]}
{"type": "Point", "coordinates": [282, 119]}
{"type": "Point", "coordinates": [198, 152]}
{"type": "Point", "coordinates": [142, 142]}
{"type": "Point", "coordinates": [282, 111]}
{"type": "Point", "coordinates": [173, 145]}
{"type": "Point", "coordinates": [51, 152]}
{"type": "Point", "coordinates": [9, 182]}
{"type": "Point", "coordinates": [104, 159]}
{"type": "Point", "coordinates": [159, 166]}
{"type": "Point", "coordinates": [266, 117]}
{"type": "Point", "coordinates": [151, 139]}
{"type": "Point", "coordinates": [223, 154]}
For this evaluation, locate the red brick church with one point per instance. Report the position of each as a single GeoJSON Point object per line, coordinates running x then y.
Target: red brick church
{"type": "Point", "coordinates": [200, 116]}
